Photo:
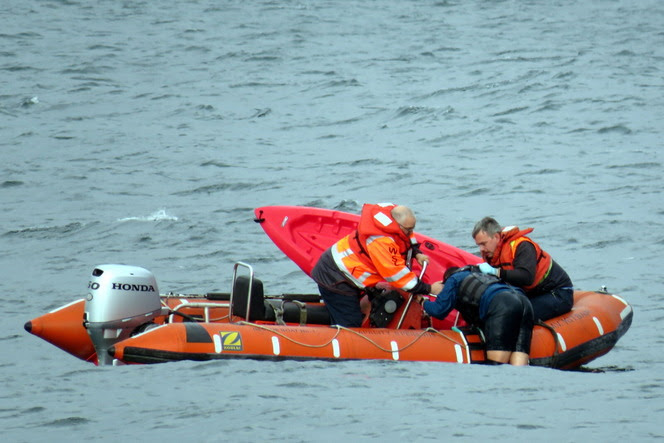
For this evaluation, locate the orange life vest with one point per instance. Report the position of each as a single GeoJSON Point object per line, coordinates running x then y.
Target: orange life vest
{"type": "Point", "coordinates": [377, 251]}
{"type": "Point", "coordinates": [510, 238]}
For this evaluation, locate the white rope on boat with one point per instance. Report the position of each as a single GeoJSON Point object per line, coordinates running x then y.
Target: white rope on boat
{"type": "Point", "coordinates": [359, 334]}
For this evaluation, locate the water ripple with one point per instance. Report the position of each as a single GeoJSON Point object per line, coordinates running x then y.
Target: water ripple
{"type": "Point", "coordinates": [45, 231]}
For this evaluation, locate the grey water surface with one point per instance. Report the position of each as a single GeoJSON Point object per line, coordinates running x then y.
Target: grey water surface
{"type": "Point", "coordinates": [145, 132]}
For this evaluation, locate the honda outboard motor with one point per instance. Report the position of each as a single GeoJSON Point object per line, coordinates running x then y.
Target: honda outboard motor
{"type": "Point", "coordinates": [120, 299]}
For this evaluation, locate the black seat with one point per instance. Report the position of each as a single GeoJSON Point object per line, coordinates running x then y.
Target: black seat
{"type": "Point", "coordinates": [241, 297]}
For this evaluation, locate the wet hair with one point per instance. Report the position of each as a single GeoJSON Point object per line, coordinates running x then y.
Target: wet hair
{"type": "Point", "coordinates": [488, 225]}
{"type": "Point", "coordinates": [449, 271]}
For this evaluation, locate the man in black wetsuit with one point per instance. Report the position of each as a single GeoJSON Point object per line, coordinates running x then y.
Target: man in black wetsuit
{"type": "Point", "coordinates": [502, 311]}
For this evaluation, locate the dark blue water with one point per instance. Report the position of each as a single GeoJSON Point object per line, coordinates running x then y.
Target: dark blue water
{"type": "Point", "coordinates": [146, 132]}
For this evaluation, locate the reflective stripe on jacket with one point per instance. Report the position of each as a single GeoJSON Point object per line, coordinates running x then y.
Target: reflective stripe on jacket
{"type": "Point", "coordinates": [377, 251]}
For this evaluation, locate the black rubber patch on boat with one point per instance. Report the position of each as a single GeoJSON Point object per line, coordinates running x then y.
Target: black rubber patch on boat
{"type": "Point", "coordinates": [197, 333]}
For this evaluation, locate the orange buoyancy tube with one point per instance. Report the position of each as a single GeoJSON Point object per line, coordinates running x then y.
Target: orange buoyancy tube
{"type": "Point", "coordinates": [510, 238]}
{"type": "Point", "coordinates": [377, 251]}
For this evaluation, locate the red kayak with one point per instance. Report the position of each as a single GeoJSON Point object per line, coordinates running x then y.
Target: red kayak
{"type": "Point", "coordinates": [303, 233]}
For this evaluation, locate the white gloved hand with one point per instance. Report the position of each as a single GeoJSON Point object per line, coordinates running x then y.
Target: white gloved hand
{"type": "Point", "coordinates": [488, 269]}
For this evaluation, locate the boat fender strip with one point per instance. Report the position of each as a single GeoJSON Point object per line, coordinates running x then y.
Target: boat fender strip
{"type": "Point", "coordinates": [335, 348]}
{"type": "Point", "coordinates": [276, 348]}
{"type": "Point", "coordinates": [459, 354]}
{"type": "Point", "coordinates": [600, 329]}
{"type": "Point", "coordinates": [395, 350]}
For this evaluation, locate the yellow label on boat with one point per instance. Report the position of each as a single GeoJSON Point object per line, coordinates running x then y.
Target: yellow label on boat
{"type": "Point", "coordinates": [231, 341]}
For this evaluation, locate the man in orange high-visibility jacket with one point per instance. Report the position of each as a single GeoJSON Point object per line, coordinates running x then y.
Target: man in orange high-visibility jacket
{"type": "Point", "coordinates": [378, 251]}
{"type": "Point", "coordinates": [519, 261]}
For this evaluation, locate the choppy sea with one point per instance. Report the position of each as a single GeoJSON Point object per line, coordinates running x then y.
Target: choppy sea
{"type": "Point", "coordinates": [145, 132]}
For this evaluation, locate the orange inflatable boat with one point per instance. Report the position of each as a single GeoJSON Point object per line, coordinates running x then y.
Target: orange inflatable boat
{"type": "Point", "coordinates": [124, 318]}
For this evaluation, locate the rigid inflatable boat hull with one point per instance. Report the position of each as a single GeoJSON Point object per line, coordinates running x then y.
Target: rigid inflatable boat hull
{"type": "Point", "coordinates": [567, 342]}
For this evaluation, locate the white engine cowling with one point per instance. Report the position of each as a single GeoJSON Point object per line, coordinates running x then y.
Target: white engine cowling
{"type": "Point", "coordinates": [120, 299]}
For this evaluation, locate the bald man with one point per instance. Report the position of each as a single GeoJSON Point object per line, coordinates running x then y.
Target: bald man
{"type": "Point", "coordinates": [378, 251]}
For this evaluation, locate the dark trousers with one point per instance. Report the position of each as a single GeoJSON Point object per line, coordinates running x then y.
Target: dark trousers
{"type": "Point", "coordinates": [344, 309]}
{"type": "Point", "coordinates": [553, 303]}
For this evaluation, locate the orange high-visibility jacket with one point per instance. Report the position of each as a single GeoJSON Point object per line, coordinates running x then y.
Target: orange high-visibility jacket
{"type": "Point", "coordinates": [377, 251]}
